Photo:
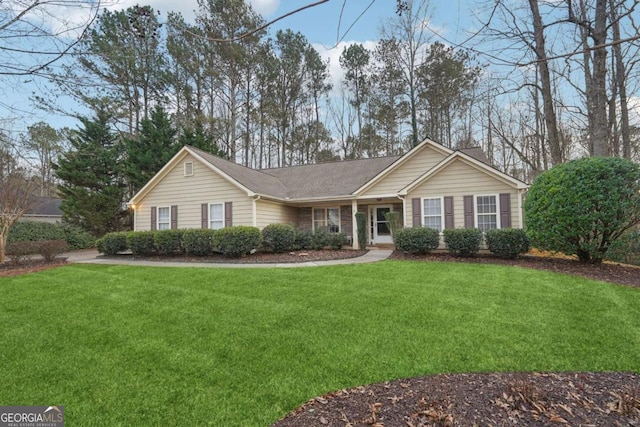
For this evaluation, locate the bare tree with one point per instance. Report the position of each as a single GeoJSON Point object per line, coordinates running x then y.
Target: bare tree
{"type": "Point", "coordinates": [16, 194]}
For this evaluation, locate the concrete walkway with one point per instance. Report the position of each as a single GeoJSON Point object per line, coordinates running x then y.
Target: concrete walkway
{"type": "Point", "coordinates": [91, 256]}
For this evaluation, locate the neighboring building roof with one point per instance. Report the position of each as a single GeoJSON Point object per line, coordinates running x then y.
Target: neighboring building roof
{"type": "Point", "coordinates": [45, 206]}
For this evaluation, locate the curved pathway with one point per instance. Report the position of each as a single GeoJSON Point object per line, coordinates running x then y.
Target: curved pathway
{"type": "Point", "coordinates": [91, 256]}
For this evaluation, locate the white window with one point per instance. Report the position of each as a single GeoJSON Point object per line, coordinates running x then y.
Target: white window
{"type": "Point", "coordinates": [327, 219]}
{"type": "Point", "coordinates": [216, 216]}
{"type": "Point", "coordinates": [164, 218]}
{"type": "Point", "coordinates": [487, 213]}
{"type": "Point", "coordinates": [432, 213]}
{"type": "Point", "coordinates": [188, 168]}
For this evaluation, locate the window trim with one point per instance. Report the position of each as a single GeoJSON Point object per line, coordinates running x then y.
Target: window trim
{"type": "Point", "coordinates": [326, 217]}
{"type": "Point", "coordinates": [476, 214]}
{"type": "Point", "coordinates": [423, 215]}
{"type": "Point", "coordinates": [185, 169]}
{"type": "Point", "coordinates": [158, 209]}
{"type": "Point", "coordinates": [209, 220]}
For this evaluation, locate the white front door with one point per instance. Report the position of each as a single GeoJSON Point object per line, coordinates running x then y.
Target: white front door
{"type": "Point", "coordinates": [380, 230]}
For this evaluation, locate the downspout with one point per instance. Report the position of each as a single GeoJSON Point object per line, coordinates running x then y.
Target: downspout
{"type": "Point", "coordinates": [254, 199]}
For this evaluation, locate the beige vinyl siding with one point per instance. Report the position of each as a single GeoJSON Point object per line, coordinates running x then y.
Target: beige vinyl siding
{"type": "Point", "coordinates": [275, 213]}
{"type": "Point", "coordinates": [408, 172]}
{"type": "Point", "coordinates": [189, 192]}
{"type": "Point", "coordinates": [460, 179]}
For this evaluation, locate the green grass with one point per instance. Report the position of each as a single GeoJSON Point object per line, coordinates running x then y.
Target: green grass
{"type": "Point", "coordinates": [227, 347]}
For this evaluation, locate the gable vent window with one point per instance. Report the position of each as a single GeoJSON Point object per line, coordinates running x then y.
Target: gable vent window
{"type": "Point", "coordinates": [188, 168]}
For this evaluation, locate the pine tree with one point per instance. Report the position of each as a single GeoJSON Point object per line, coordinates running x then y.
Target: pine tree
{"type": "Point", "coordinates": [93, 185]}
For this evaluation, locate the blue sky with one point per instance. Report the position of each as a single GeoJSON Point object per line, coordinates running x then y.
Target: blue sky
{"type": "Point", "coordinates": [329, 27]}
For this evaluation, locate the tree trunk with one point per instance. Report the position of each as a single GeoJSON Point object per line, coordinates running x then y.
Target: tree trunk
{"type": "Point", "coordinates": [620, 83]}
{"type": "Point", "coordinates": [599, 87]}
{"type": "Point", "coordinates": [545, 81]}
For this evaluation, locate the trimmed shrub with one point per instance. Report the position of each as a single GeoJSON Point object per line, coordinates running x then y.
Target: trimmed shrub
{"type": "Point", "coordinates": [626, 249]}
{"type": "Point", "coordinates": [361, 223]}
{"type": "Point", "coordinates": [238, 240]}
{"type": "Point", "coordinates": [50, 249]}
{"type": "Point", "coordinates": [278, 238]}
{"type": "Point", "coordinates": [320, 240]}
{"type": "Point", "coordinates": [113, 243]}
{"type": "Point", "coordinates": [463, 242]}
{"type": "Point", "coordinates": [581, 207]}
{"type": "Point", "coordinates": [395, 223]}
{"type": "Point", "coordinates": [168, 242]}
{"type": "Point", "coordinates": [336, 241]}
{"type": "Point", "coordinates": [303, 239]}
{"type": "Point", "coordinates": [32, 231]}
{"type": "Point", "coordinates": [417, 240]}
{"type": "Point", "coordinates": [20, 252]}
{"type": "Point", "coordinates": [142, 243]}
{"type": "Point", "coordinates": [507, 242]}
{"type": "Point", "coordinates": [198, 241]}
{"type": "Point", "coordinates": [77, 238]}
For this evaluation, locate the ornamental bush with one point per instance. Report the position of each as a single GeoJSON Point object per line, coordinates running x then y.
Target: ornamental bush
{"type": "Point", "coordinates": [142, 243]}
{"type": "Point", "coordinates": [278, 238]}
{"type": "Point", "coordinates": [169, 242]}
{"type": "Point", "coordinates": [417, 240]}
{"type": "Point", "coordinates": [582, 207]}
{"type": "Point", "coordinates": [50, 249]}
{"type": "Point", "coordinates": [626, 249]}
{"type": "Point", "coordinates": [20, 252]}
{"type": "Point", "coordinates": [198, 241]}
{"type": "Point", "coordinates": [361, 223]}
{"type": "Point", "coordinates": [113, 243]}
{"type": "Point", "coordinates": [303, 239]}
{"type": "Point", "coordinates": [238, 240]}
{"type": "Point", "coordinates": [507, 242]}
{"type": "Point", "coordinates": [336, 241]}
{"type": "Point", "coordinates": [33, 231]}
{"type": "Point", "coordinates": [320, 240]}
{"type": "Point", "coordinates": [464, 242]}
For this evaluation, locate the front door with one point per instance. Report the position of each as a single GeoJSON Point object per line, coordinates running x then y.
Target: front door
{"type": "Point", "coordinates": [381, 232]}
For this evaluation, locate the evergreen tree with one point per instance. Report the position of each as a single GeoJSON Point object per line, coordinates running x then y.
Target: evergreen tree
{"type": "Point", "coordinates": [197, 137]}
{"type": "Point", "coordinates": [151, 150]}
{"type": "Point", "coordinates": [93, 185]}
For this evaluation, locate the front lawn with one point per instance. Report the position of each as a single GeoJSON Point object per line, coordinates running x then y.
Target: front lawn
{"type": "Point", "coordinates": [127, 346]}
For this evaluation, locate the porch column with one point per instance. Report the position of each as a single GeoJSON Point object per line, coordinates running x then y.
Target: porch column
{"type": "Point", "coordinates": [354, 224]}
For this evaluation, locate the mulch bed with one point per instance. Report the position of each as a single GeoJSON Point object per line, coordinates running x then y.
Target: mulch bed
{"type": "Point", "coordinates": [260, 257]}
{"type": "Point", "coordinates": [9, 269]}
{"type": "Point", "coordinates": [492, 399]}
{"type": "Point", "coordinates": [502, 399]}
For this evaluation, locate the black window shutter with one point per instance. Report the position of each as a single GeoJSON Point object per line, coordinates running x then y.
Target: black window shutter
{"type": "Point", "coordinates": [448, 212]}
{"type": "Point", "coordinates": [228, 214]}
{"type": "Point", "coordinates": [204, 215]}
{"type": "Point", "coordinates": [417, 212]}
{"type": "Point", "coordinates": [505, 210]}
{"type": "Point", "coordinates": [154, 217]}
{"type": "Point", "coordinates": [174, 217]}
{"type": "Point", "coordinates": [469, 220]}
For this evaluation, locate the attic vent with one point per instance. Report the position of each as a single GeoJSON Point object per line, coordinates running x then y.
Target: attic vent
{"type": "Point", "coordinates": [188, 168]}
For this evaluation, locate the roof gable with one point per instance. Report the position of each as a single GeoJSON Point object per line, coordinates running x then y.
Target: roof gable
{"type": "Point", "coordinates": [401, 161]}
{"type": "Point", "coordinates": [470, 161]}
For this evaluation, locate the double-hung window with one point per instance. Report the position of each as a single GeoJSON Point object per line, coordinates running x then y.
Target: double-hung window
{"type": "Point", "coordinates": [487, 213]}
{"type": "Point", "coordinates": [327, 219]}
{"type": "Point", "coordinates": [164, 218]}
{"type": "Point", "coordinates": [216, 216]}
{"type": "Point", "coordinates": [432, 213]}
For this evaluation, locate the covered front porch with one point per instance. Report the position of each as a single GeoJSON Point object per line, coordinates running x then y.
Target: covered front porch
{"type": "Point", "coordinates": [340, 217]}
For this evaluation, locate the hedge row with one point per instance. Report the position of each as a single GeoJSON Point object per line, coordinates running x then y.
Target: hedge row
{"type": "Point", "coordinates": [231, 241]}
{"type": "Point", "coordinates": [19, 252]}
{"type": "Point", "coordinates": [465, 242]}
{"type": "Point", "coordinates": [33, 231]}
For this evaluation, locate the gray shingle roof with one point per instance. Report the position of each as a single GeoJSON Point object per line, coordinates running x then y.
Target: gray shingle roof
{"type": "Point", "coordinates": [45, 206]}
{"type": "Point", "coordinates": [331, 179]}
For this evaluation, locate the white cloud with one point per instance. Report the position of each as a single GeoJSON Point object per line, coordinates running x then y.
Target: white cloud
{"type": "Point", "coordinates": [265, 7]}
{"type": "Point", "coordinates": [333, 55]}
